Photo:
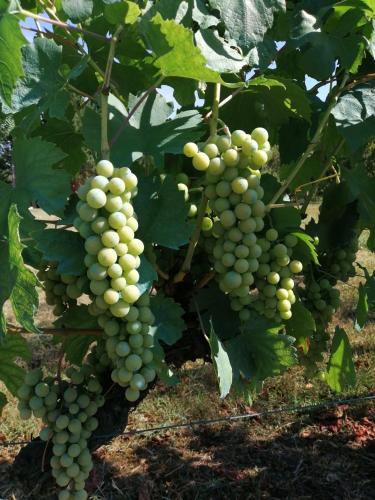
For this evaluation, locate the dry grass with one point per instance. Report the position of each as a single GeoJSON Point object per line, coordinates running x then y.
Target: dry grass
{"type": "Point", "coordinates": [323, 455]}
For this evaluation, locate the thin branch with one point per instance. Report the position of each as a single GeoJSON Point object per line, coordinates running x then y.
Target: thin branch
{"type": "Point", "coordinates": [283, 205]}
{"type": "Point", "coordinates": [105, 148]}
{"type": "Point", "coordinates": [317, 181]}
{"type": "Point", "coordinates": [226, 100]}
{"type": "Point", "coordinates": [79, 92]}
{"type": "Point", "coordinates": [205, 280]}
{"type": "Point", "coordinates": [314, 142]}
{"type": "Point", "coordinates": [64, 332]}
{"type": "Point", "coordinates": [186, 265]}
{"type": "Point", "coordinates": [134, 109]}
{"type": "Point", "coordinates": [215, 110]}
{"type": "Point", "coordinates": [61, 24]}
{"type": "Point", "coordinates": [313, 191]}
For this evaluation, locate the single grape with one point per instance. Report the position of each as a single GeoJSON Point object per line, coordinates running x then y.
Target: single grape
{"type": "Point", "coordinates": [201, 161]}
{"type": "Point", "coordinates": [104, 168]}
{"type": "Point", "coordinates": [190, 149]}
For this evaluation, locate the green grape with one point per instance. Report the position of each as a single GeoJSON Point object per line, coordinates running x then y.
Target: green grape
{"type": "Point", "coordinates": [260, 135]}
{"type": "Point", "coordinates": [190, 149]}
{"type": "Point", "coordinates": [96, 198]}
{"type": "Point", "coordinates": [201, 161]}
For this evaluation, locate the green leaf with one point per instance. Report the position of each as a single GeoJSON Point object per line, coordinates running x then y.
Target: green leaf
{"type": "Point", "coordinates": [311, 171]}
{"type": "Point", "coordinates": [36, 177]}
{"type": "Point", "coordinates": [201, 15]}
{"type": "Point", "coordinates": [168, 325]}
{"type": "Point", "coordinates": [301, 325]}
{"type": "Point", "coordinates": [62, 246]}
{"type": "Point", "coordinates": [354, 115]}
{"type": "Point", "coordinates": [158, 222]}
{"type": "Point", "coordinates": [269, 101]}
{"type": "Point", "coordinates": [362, 187]}
{"type": "Point", "coordinates": [11, 41]}
{"type": "Point", "coordinates": [147, 275]}
{"type": "Point", "coordinates": [340, 369]}
{"type": "Point", "coordinates": [125, 12]}
{"type": "Point", "coordinates": [150, 131]}
{"type": "Point", "coordinates": [77, 10]}
{"type": "Point", "coordinates": [222, 364]}
{"type": "Point", "coordinates": [219, 54]}
{"type": "Point", "coordinates": [260, 352]}
{"type": "Point", "coordinates": [248, 20]}
{"type": "Point", "coordinates": [42, 82]}
{"type": "Point", "coordinates": [24, 295]}
{"type": "Point", "coordinates": [214, 308]}
{"type": "Point", "coordinates": [285, 220]}
{"type": "Point", "coordinates": [62, 134]}
{"type": "Point", "coordinates": [175, 53]}
{"type": "Point", "coordinates": [305, 250]}
{"type": "Point", "coordinates": [12, 347]}
{"type": "Point", "coordinates": [366, 302]}
{"type": "Point", "coordinates": [76, 346]}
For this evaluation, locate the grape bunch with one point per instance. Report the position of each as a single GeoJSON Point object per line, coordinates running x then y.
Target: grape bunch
{"type": "Point", "coordinates": [60, 289]}
{"type": "Point", "coordinates": [108, 223]}
{"type": "Point", "coordinates": [322, 299]}
{"type": "Point", "coordinates": [128, 345]}
{"type": "Point", "coordinates": [67, 408]}
{"type": "Point", "coordinates": [341, 263]}
{"type": "Point", "coordinates": [236, 210]}
{"type": "Point", "coordinates": [274, 281]}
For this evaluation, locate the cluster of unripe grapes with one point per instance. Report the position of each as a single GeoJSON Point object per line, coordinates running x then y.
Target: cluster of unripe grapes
{"type": "Point", "coordinates": [235, 203]}
{"type": "Point", "coordinates": [237, 150]}
{"type": "Point", "coordinates": [60, 289]}
{"type": "Point", "coordinates": [274, 278]}
{"type": "Point", "coordinates": [235, 218]}
{"type": "Point", "coordinates": [341, 263]}
{"type": "Point", "coordinates": [322, 299]}
{"type": "Point", "coordinates": [108, 223]}
{"type": "Point", "coordinates": [67, 408]}
{"type": "Point", "coordinates": [129, 347]}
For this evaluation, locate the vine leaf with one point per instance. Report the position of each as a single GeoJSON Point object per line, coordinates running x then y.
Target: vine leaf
{"type": "Point", "coordinates": [61, 246]}
{"type": "Point", "coordinates": [12, 347]}
{"type": "Point", "coordinates": [285, 220]}
{"type": "Point", "coordinates": [24, 295]}
{"type": "Point", "coordinates": [219, 54]}
{"type": "Point", "coordinates": [305, 249]}
{"type": "Point", "coordinates": [42, 83]}
{"type": "Point", "coordinates": [147, 275]}
{"type": "Point", "coordinates": [76, 346]}
{"type": "Point", "coordinates": [11, 41]}
{"type": "Point", "coordinates": [340, 370]}
{"type": "Point", "coordinates": [355, 115]}
{"type": "Point", "coordinates": [77, 10]}
{"type": "Point", "coordinates": [366, 302]}
{"type": "Point", "coordinates": [158, 223]}
{"type": "Point", "coordinates": [175, 53]}
{"type": "Point", "coordinates": [259, 351]}
{"type": "Point", "coordinates": [36, 177]}
{"type": "Point", "coordinates": [168, 328]}
{"type": "Point", "coordinates": [362, 187]}
{"type": "Point", "coordinates": [301, 326]}
{"type": "Point", "coordinates": [248, 20]}
{"type": "Point", "coordinates": [168, 325]}
{"type": "Point", "coordinates": [122, 12]}
{"type": "Point", "coordinates": [150, 131]}
{"type": "Point", "coordinates": [222, 364]}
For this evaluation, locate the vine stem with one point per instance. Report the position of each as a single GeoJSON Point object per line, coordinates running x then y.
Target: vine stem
{"type": "Point", "coordinates": [215, 110]}
{"type": "Point", "coordinates": [225, 101]}
{"type": "Point", "coordinates": [314, 142]}
{"type": "Point", "coordinates": [63, 332]}
{"type": "Point", "coordinates": [60, 24]}
{"type": "Point", "coordinates": [105, 147]}
{"type": "Point", "coordinates": [134, 109]}
{"type": "Point", "coordinates": [313, 191]}
{"type": "Point", "coordinates": [186, 265]}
